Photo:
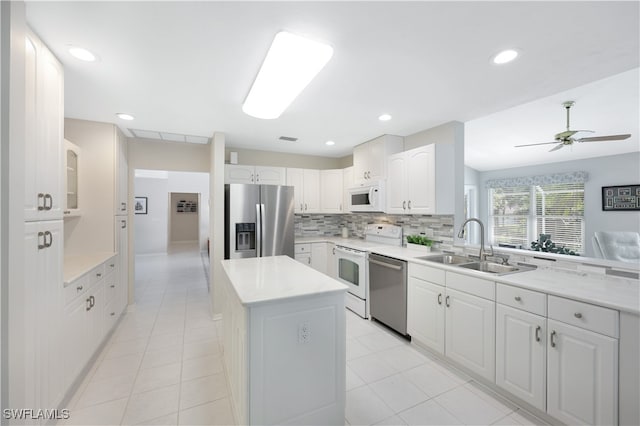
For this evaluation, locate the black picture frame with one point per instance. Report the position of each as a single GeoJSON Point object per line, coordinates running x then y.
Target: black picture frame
{"type": "Point", "coordinates": [140, 205]}
{"type": "Point", "coordinates": [621, 198]}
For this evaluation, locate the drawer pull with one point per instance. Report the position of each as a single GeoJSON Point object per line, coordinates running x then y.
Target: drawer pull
{"type": "Point", "coordinates": [538, 329]}
{"type": "Point", "coordinates": [446, 301]}
{"type": "Point", "coordinates": [79, 288]}
{"type": "Point", "coordinates": [518, 298]}
{"type": "Point", "coordinates": [112, 286]}
{"type": "Point", "coordinates": [112, 265]}
{"type": "Point", "coordinates": [577, 315]}
{"type": "Point", "coordinates": [440, 299]}
{"type": "Point", "coordinates": [112, 313]}
{"type": "Point", "coordinates": [553, 342]}
{"type": "Point", "coordinates": [98, 275]}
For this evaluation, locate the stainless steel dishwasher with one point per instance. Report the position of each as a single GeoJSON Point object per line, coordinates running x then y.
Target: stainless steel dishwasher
{"type": "Point", "coordinates": [388, 291]}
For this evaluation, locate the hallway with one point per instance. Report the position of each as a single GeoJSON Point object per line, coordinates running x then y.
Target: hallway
{"type": "Point", "coordinates": [163, 364]}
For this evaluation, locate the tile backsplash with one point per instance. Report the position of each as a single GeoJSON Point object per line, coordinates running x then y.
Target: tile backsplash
{"type": "Point", "coordinates": [439, 228]}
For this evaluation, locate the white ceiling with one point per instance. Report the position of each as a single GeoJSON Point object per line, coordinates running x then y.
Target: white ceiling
{"type": "Point", "coordinates": [186, 67]}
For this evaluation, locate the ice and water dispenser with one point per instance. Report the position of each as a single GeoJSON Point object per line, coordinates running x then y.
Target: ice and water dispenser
{"type": "Point", "coordinates": [245, 236]}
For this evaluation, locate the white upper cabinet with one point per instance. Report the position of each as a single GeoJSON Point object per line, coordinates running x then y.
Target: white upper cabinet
{"type": "Point", "coordinates": [370, 158]}
{"type": "Point", "coordinates": [347, 182]}
{"type": "Point", "coordinates": [331, 194]}
{"type": "Point", "coordinates": [261, 175]}
{"type": "Point", "coordinates": [44, 115]}
{"type": "Point", "coordinates": [72, 179]}
{"type": "Point", "coordinates": [306, 187]}
{"type": "Point", "coordinates": [411, 181]}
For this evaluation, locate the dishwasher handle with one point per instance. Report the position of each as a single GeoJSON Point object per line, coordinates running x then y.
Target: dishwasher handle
{"type": "Point", "coordinates": [386, 265]}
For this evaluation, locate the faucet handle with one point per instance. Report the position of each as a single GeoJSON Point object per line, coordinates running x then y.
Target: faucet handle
{"type": "Point", "coordinates": [504, 258]}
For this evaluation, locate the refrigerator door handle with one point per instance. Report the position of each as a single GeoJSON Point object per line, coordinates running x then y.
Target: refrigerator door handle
{"type": "Point", "coordinates": [258, 230]}
{"type": "Point", "coordinates": [262, 221]}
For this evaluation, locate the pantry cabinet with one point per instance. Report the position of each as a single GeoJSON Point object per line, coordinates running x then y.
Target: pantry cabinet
{"type": "Point", "coordinates": [331, 197]}
{"type": "Point", "coordinates": [411, 185]}
{"type": "Point", "coordinates": [261, 175]}
{"type": "Point", "coordinates": [122, 264]}
{"type": "Point", "coordinates": [44, 380]}
{"type": "Point", "coordinates": [121, 175]}
{"type": "Point", "coordinates": [306, 184]}
{"type": "Point", "coordinates": [370, 158]}
{"type": "Point", "coordinates": [43, 143]}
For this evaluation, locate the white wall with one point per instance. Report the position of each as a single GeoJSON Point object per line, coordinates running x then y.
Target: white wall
{"type": "Point", "coordinates": [613, 170]}
{"type": "Point", "coordinates": [151, 230]}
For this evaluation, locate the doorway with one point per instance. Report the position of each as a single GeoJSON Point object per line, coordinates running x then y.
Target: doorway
{"type": "Point", "coordinates": [184, 220]}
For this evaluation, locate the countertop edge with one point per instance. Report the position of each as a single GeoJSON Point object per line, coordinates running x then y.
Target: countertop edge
{"type": "Point", "coordinates": [83, 264]}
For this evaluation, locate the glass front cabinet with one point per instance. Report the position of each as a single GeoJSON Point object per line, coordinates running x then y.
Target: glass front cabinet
{"type": "Point", "coordinates": [72, 161]}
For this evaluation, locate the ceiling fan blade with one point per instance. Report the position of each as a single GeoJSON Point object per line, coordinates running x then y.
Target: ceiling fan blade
{"type": "Point", "coordinates": [557, 147]}
{"type": "Point", "coordinates": [605, 138]}
{"type": "Point", "coordinates": [534, 144]}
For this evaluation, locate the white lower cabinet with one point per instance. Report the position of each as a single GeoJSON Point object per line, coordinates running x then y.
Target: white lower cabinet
{"type": "Point", "coordinates": [319, 257]}
{"type": "Point", "coordinates": [332, 264]}
{"type": "Point", "coordinates": [44, 380]}
{"type": "Point", "coordinates": [470, 332]}
{"type": "Point", "coordinates": [582, 376]}
{"type": "Point", "coordinates": [521, 354]}
{"type": "Point", "coordinates": [425, 313]}
{"type": "Point", "coordinates": [121, 264]}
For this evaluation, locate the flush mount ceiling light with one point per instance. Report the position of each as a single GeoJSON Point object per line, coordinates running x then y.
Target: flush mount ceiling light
{"type": "Point", "coordinates": [125, 116]}
{"type": "Point", "coordinates": [384, 117]}
{"type": "Point", "coordinates": [82, 54]}
{"type": "Point", "coordinates": [505, 56]}
{"type": "Point", "coordinates": [329, 143]}
{"type": "Point", "coordinates": [291, 63]}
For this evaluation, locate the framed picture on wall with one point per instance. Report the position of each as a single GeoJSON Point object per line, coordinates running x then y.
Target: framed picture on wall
{"type": "Point", "coordinates": [622, 197]}
{"type": "Point", "coordinates": [140, 205]}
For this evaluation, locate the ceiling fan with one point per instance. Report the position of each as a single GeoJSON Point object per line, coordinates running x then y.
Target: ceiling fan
{"type": "Point", "coordinates": [566, 138]}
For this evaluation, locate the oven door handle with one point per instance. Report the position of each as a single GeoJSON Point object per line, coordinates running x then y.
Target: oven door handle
{"type": "Point", "coordinates": [386, 265]}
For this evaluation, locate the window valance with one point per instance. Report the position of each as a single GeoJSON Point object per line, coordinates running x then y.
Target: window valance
{"type": "Point", "coordinates": [571, 177]}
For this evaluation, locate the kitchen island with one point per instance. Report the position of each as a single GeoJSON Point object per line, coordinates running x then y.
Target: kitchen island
{"type": "Point", "coordinates": [284, 342]}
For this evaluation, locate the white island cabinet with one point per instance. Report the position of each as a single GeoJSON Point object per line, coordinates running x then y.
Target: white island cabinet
{"type": "Point", "coordinates": [284, 342]}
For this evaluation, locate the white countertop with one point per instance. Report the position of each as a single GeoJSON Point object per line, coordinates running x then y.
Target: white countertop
{"type": "Point", "coordinates": [267, 279]}
{"type": "Point", "coordinates": [77, 266]}
{"type": "Point", "coordinates": [599, 289]}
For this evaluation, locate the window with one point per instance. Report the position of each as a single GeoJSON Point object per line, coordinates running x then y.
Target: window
{"type": "Point", "coordinates": [519, 214]}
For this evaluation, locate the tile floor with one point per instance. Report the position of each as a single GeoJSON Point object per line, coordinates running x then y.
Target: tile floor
{"type": "Point", "coordinates": [163, 366]}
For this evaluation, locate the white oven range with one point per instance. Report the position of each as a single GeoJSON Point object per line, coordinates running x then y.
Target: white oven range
{"type": "Point", "coordinates": [351, 259]}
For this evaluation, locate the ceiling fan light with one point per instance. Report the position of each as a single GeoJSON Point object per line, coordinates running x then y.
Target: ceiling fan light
{"type": "Point", "coordinates": [291, 63]}
{"type": "Point", "coordinates": [505, 56]}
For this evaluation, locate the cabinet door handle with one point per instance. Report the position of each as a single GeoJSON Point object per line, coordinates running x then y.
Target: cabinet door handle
{"type": "Point", "coordinates": [112, 265]}
{"type": "Point", "coordinates": [251, 177]}
{"type": "Point", "coordinates": [50, 198]}
{"type": "Point", "coordinates": [404, 205]}
{"type": "Point", "coordinates": [340, 206]}
{"type": "Point", "coordinates": [518, 298]}
{"type": "Point", "coordinates": [257, 177]}
{"type": "Point", "coordinates": [93, 301]}
{"type": "Point", "coordinates": [552, 339]}
{"type": "Point", "coordinates": [88, 306]}
{"type": "Point", "coordinates": [538, 330]}
{"type": "Point", "coordinates": [50, 235]}
{"type": "Point", "coordinates": [308, 260]}
{"type": "Point", "coordinates": [44, 241]}
{"type": "Point", "coordinates": [440, 299]}
{"type": "Point", "coordinates": [364, 174]}
{"type": "Point", "coordinates": [301, 208]}
{"type": "Point", "coordinates": [409, 205]}
{"type": "Point", "coordinates": [112, 286]}
{"type": "Point", "coordinates": [41, 197]}
{"type": "Point", "coordinates": [112, 314]}
{"type": "Point", "coordinates": [79, 288]}
{"type": "Point", "coordinates": [98, 275]}
{"type": "Point", "coordinates": [446, 301]}
{"type": "Point", "coordinates": [124, 224]}
{"type": "Point", "coordinates": [334, 250]}
{"type": "Point", "coordinates": [123, 206]}
{"type": "Point", "coordinates": [305, 206]}
{"type": "Point", "coordinates": [577, 315]}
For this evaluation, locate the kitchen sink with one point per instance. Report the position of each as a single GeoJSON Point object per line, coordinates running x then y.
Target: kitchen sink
{"type": "Point", "coordinates": [447, 259]}
{"type": "Point", "coordinates": [493, 268]}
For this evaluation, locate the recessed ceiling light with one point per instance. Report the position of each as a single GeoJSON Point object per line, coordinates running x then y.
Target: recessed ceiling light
{"type": "Point", "coordinates": [505, 56]}
{"type": "Point", "coordinates": [82, 54]}
{"type": "Point", "coordinates": [384, 117]}
{"type": "Point", "coordinates": [291, 63]}
{"type": "Point", "coordinates": [329, 143]}
{"type": "Point", "coordinates": [124, 116]}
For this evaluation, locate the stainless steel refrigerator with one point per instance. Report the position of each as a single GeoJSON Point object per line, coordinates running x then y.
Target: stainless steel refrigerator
{"type": "Point", "coordinates": [258, 220]}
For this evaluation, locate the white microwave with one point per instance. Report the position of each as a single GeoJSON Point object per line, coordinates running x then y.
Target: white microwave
{"type": "Point", "coordinates": [367, 198]}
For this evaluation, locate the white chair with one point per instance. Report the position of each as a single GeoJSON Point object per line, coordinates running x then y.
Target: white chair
{"type": "Point", "coordinates": [620, 246]}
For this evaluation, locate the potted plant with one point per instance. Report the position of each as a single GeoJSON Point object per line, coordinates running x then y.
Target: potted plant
{"type": "Point", "coordinates": [419, 242]}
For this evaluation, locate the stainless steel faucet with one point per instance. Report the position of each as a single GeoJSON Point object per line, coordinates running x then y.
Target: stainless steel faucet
{"type": "Point", "coordinates": [481, 254]}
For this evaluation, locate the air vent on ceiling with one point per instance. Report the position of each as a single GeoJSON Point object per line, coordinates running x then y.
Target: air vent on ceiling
{"type": "Point", "coordinates": [287, 138]}
{"type": "Point", "coordinates": [170, 137]}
